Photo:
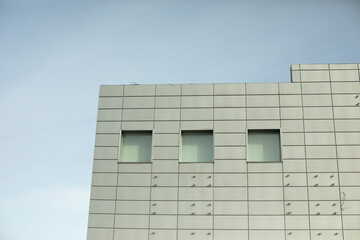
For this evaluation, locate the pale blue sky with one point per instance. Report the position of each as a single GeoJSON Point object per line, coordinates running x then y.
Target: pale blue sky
{"type": "Point", "coordinates": [54, 54]}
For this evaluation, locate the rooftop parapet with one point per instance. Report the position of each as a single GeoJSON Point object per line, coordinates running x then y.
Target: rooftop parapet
{"type": "Point", "coordinates": [346, 72]}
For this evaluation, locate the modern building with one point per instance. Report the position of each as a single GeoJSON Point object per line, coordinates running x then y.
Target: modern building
{"type": "Point", "coordinates": [243, 161]}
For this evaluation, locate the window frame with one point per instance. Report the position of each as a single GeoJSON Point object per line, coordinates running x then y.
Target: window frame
{"type": "Point", "coordinates": [210, 131]}
{"type": "Point", "coordinates": [121, 138]}
{"type": "Point", "coordinates": [264, 129]}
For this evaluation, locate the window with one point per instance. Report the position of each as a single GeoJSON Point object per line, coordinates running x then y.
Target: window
{"type": "Point", "coordinates": [197, 146]}
{"type": "Point", "coordinates": [264, 146]}
{"type": "Point", "coordinates": [136, 147]}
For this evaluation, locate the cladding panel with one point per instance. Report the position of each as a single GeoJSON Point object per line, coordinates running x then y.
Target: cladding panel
{"type": "Point", "coordinates": [111, 90]}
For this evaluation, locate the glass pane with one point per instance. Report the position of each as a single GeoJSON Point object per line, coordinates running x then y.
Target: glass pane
{"type": "Point", "coordinates": [136, 147]}
{"type": "Point", "coordinates": [197, 147]}
{"type": "Point", "coordinates": [264, 146]}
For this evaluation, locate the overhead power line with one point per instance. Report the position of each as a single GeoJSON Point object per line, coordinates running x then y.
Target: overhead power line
{"type": "Point", "coordinates": [47, 129]}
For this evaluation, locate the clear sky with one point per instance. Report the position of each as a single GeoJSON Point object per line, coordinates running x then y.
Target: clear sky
{"type": "Point", "coordinates": [54, 54]}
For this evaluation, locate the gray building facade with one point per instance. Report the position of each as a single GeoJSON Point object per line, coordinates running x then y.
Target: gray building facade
{"type": "Point", "coordinates": [239, 161]}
